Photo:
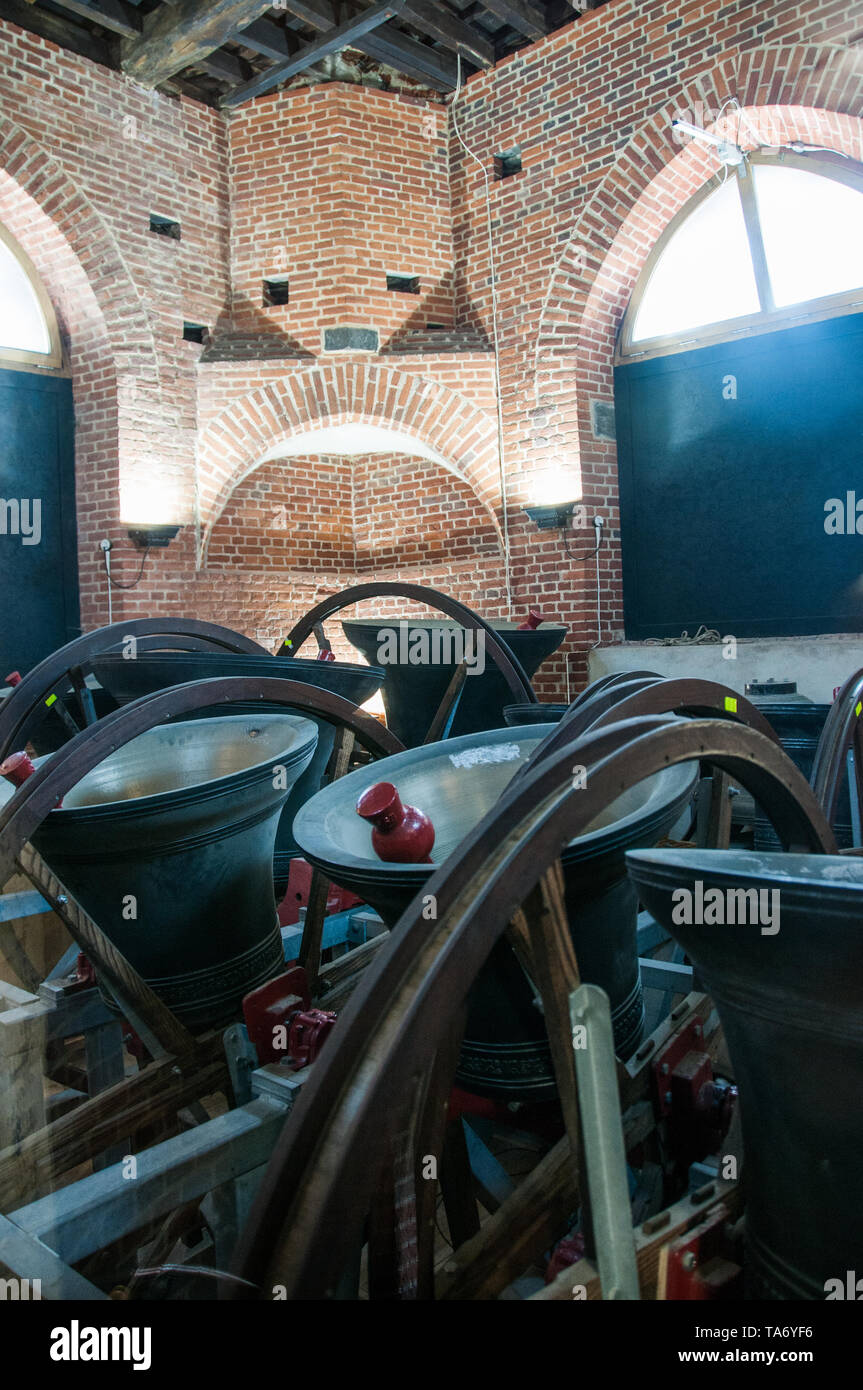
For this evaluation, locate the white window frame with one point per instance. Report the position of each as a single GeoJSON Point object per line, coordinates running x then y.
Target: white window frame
{"type": "Point", "coordinates": [769, 318]}
{"type": "Point", "coordinates": [17, 358]}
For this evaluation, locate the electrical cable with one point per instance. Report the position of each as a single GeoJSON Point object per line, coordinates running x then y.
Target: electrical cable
{"type": "Point", "coordinates": [115, 583]}
{"type": "Point", "coordinates": [493, 273]}
{"type": "Point", "coordinates": [588, 555]}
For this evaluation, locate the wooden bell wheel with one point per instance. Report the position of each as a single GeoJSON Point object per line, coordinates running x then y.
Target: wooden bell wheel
{"type": "Point", "coordinates": [350, 1163]}
{"type": "Point", "coordinates": [507, 663]}
{"type": "Point", "coordinates": [840, 736]}
{"type": "Point", "coordinates": [184, 1067]}
{"type": "Point", "coordinates": [46, 685]}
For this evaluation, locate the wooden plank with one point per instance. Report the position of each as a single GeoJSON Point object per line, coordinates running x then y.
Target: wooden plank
{"type": "Point", "coordinates": [116, 15]}
{"type": "Point", "coordinates": [528, 19]}
{"type": "Point", "coordinates": [227, 67]}
{"type": "Point", "coordinates": [266, 38]}
{"type": "Point", "coordinates": [342, 36]}
{"type": "Point", "coordinates": [174, 37]}
{"type": "Point", "coordinates": [441, 24]}
{"type": "Point", "coordinates": [318, 14]}
{"type": "Point", "coordinates": [63, 32]}
{"type": "Point", "coordinates": [389, 46]}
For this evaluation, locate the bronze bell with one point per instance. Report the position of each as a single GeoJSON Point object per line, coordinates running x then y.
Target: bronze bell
{"type": "Point", "coordinates": [424, 657]}
{"type": "Point", "coordinates": [787, 981]}
{"type": "Point", "coordinates": [129, 678]}
{"type": "Point", "coordinates": [455, 783]}
{"type": "Point", "coordinates": [168, 845]}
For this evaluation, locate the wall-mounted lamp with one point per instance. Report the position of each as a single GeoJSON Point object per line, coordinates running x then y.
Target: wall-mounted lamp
{"type": "Point", "coordinates": [552, 516]}
{"type": "Point", "coordinates": [145, 536]}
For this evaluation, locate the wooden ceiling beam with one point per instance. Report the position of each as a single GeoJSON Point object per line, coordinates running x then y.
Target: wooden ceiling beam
{"type": "Point", "coordinates": [387, 45]}
{"type": "Point", "coordinates": [342, 36]}
{"type": "Point", "coordinates": [177, 36]}
{"type": "Point", "coordinates": [65, 33]}
{"type": "Point", "coordinates": [318, 14]}
{"type": "Point", "coordinates": [265, 38]}
{"type": "Point", "coordinates": [115, 15]}
{"type": "Point", "coordinates": [528, 19]}
{"type": "Point", "coordinates": [440, 23]}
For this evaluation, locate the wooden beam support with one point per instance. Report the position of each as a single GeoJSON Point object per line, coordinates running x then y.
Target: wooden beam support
{"type": "Point", "coordinates": [63, 32]}
{"type": "Point", "coordinates": [528, 19]}
{"type": "Point", "coordinates": [176, 36]}
{"type": "Point", "coordinates": [266, 38]}
{"type": "Point", "coordinates": [342, 36]}
{"type": "Point", "coordinates": [318, 14]}
{"type": "Point", "coordinates": [115, 15]}
{"type": "Point", "coordinates": [389, 46]}
{"type": "Point", "coordinates": [441, 24]}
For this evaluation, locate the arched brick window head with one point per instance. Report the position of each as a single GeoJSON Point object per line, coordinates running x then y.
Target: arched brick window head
{"type": "Point", "coordinates": [779, 241]}
{"type": "Point", "coordinates": [29, 336]}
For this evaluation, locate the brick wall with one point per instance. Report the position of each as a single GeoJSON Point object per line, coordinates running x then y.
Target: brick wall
{"type": "Point", "coordinates": [334, 187]}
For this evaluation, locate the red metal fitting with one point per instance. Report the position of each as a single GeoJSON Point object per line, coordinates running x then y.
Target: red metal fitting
{"type": "Point", "coordinates": [533, 620]}
{"type": "Point", "coordinates": [299, 890]}
{"type": "Point", "coordinates": [308, 1033]}
{"type": "Point", "coordinates": [17, 768]}
{"type": "Point", "coordinates": [272, 1006]}
{"type": "Point", "coordinates": [400, 834]}
{"type": "Point", "coordinates": [13, 678]}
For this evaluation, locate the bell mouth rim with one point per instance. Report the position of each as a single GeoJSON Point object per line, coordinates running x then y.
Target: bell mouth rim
{"type": "Point", "coordinates": [367, 870]}
{"type": "Point", "coordinates": [178, 795]}
{"type": "Point", "coordinates": [452, 624]}
{"type": "Point", "coordinates": [654, 869]}
{"type": "Point", "coordinates": [283, 664]}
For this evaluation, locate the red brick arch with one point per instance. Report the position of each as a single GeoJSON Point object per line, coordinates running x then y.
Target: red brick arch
{"type": "Point", "coordinates": [106, 333]}
{"type": "Point", "coordinates": [799, 91]}
{"type": "Point", "coordinates": [347, 392]}
{"type": "Point", "coordinates": [42, 180]}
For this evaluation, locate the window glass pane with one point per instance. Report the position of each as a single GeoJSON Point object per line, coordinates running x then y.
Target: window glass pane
{"type": "Point", "coordinates": [813, 233]}
{"type": "Point", "coordinates": [22, 323]}
{"type": "Point", "coordinates": [705, 273]}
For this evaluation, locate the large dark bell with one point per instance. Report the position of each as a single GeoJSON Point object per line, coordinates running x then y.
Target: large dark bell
{"type": "Point", "coordinates": [456, 782]}
{"type": "Point", "coordinates": [791, 1006]}
{"type": "Point", "coordinates": [168, 845]}
{"type": "Point", "coordinates": [414, 688]}
{"type": "Point", "coordinates": [128, 678]}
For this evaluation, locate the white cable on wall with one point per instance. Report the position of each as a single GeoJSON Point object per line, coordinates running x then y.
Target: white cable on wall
{"type": "Point", "coordinates": [493, 270]}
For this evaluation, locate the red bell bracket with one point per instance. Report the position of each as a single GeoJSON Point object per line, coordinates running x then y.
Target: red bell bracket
{"type": "Point", "coordinates": [268, 1011]}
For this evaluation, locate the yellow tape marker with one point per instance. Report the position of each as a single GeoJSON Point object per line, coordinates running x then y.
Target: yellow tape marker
{"type": "Point", "coordinates": [49, 702]}
{"type": "Point", "coordinates": [731, 704]}
{"type": "Point", "coordinates": [857, 708]}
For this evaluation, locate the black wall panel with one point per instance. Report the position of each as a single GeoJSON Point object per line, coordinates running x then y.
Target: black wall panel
{"type": "Point", "coordinates": [38, 564]}
{"type": "Point", "coordinates": [727, 456]}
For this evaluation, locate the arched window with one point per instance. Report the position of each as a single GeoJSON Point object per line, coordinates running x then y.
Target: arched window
{"type": "Point", "coordinates": [28, 327]}
{"type": "Point", "coordinates": [779, 242]}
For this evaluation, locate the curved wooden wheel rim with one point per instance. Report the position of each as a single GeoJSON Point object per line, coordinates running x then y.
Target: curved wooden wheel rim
{"type": "Point", "coordinates": [26, 810]}
{"type": "Point", "coordinates": [312, 1200]}
{"type": "Point", "coordinates": [18, 707]}
{"type": "Point", "coordinates": [841, 734]}
{"type": "Point", "coordinates": [508, 665]}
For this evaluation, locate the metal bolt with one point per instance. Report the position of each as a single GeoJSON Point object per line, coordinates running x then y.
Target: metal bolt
{"type": "Point", "coordinates": [688, 1262]}
{"type": "Point", "coordinates": [664, 1068]}
{"type": "Point", "coordinates": [667, 1097]}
